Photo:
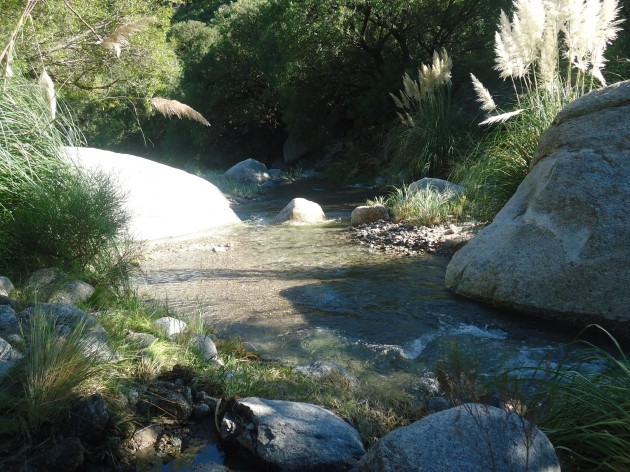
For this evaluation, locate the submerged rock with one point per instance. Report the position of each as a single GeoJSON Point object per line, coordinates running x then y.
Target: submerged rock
{"type": "Point", "coordinates": [292, 436]}
{"type": "Point", "coordinates": [558, 249]}
{"type": "Point", "coordinates": [468, 438]}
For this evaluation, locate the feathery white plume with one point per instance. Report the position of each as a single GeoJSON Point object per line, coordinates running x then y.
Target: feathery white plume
{"type": "Point", "coordinates": [118, 38]}
{"type": "Point", "coordinates": [174, 108]}
{"type": "Point", "coordinates": [502, 118]}
{"type": "Point", "coordinates": [483, 95]}
{"type": "Point", "coordinates": [48, 89]}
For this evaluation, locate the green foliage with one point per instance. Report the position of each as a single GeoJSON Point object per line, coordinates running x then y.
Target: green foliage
{"type": "Point", "coordinates": [426, 207]}
{"type": "Point", "coordinates": [494, 169]}
{"type": "Point", "coordinates": [109, 95]}
{"type": "Point", "coordinates": [68, 223]}
{"type": "Point", "coordinates": [315, 70]}
{"type": "Point", "coordinates": [52, 212]}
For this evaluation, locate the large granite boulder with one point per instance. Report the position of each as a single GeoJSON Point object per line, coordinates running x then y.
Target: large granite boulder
{"type": "Point", "coordinates": [293, 436]}
{"type": "Point", "coordinates": [468, 438]}
{"type": "Point", "coordinates": [249, 169]}
{"type": "Point", "coordinates": [5, 286]}
{"type": "Point", "coordinates": [163, 202]}
{"type": "Point", "coordinates": [558, 248]}
{"type": "Point", "coordinates": [300, 210]}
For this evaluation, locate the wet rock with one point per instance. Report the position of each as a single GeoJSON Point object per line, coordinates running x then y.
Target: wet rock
{"type": "Point", "coordinates": [172, 327]}
{"type": "Point", "coordinates": [8, 357]}
{"type": "Point", "coordinates": [6, 286]}
{"type": "Point", "coordinates": [468, 438]}
{"type": "Point", "coordinates": [300, 210]}
{"type": "Point", "coordinates": [65, 454]}
{"type": "Point", "coordinates": [292, 436]}
{"type": "Point", "coordinates": [368, 214]}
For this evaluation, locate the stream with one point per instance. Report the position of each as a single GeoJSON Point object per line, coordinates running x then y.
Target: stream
{"type": "Point", "coordinates": [299, 294]}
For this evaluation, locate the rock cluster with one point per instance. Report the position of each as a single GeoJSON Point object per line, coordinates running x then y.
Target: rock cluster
{"type": "Point", "coordinates": [412, 240]}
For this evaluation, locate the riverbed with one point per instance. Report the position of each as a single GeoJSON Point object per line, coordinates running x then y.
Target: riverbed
{"type": "Point", "coordinates": [304, 293]}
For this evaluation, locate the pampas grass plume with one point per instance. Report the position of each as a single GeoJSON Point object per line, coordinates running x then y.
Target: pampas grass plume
{"type": "Point", "coordinates": [502, 118]}
{"type": "Point", "coordinates": [48, 88]}
{"type": "Point", "coordinates": [174, 108]}
{"type": "Point", "coordinates": [483, 95]}
{"type": "Point", "coordinates": [118, 37]}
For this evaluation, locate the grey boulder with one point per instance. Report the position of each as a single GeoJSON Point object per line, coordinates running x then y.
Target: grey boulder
{"type": "Point", "coordinates": [8, 357]}
{"type": "Point", "coordinates": [468, 438]}
{"type": "Point", "coordinates": [292, 436]}
{"type": "Point", "coordinates": [249, 169]}
{"type": "Point", "coordinates": [558, 249]}
{"type": "Point", "coordinates": [439, 185]}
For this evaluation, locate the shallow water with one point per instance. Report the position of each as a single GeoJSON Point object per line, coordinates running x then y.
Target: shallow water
{"type": "Point", "coordinates": [305, 293]}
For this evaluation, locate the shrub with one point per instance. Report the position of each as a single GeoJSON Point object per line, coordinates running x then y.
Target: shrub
{"type": "Point", "coordinates": [55, 371]}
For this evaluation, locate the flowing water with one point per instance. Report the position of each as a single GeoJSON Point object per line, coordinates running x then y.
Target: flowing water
{"type": "Point", "coordinates": [305, 293]}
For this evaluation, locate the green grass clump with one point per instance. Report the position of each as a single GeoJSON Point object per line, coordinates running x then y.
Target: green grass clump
{"type": "Point", "coordinates": [494, 169]}
{"type": "Point", "coordinates": [587, 415]}
{"type": "Point", "coordinates": [56, 371]}
{"type": "Point", "coordinates": [425, 207]}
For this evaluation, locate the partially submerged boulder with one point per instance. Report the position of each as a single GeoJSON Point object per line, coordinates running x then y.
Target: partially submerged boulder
{"type": "Point", "coordinates": [293, 436]}
{"type": "Point", "coordinates": [249, 169]}
{"type": "Point", "coordinates": [468, 438]}
{"type": "Point", "coordinates": [300, 210]}
{"type": "Point", "coordinates": [558, 249]}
